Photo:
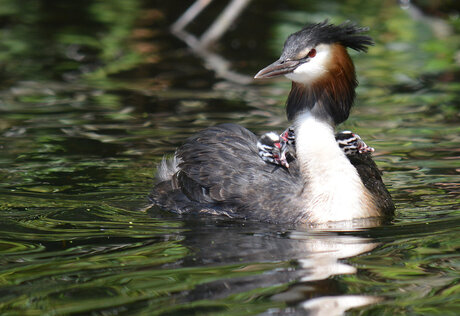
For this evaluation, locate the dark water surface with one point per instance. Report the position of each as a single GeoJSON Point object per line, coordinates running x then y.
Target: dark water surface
{"type": "Point", "coordinates": [94, 93]}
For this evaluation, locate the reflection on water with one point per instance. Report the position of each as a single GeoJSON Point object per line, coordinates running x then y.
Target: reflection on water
{"type": "Point", "coordinates": [321, 260]}
{"type": "Point", "coordinates": [94, 94]}
{"type": "Point", "coordinates": [313, 258]}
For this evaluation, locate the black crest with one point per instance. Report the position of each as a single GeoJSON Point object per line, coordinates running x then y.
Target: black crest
{"type": "Point", "coordinates": [347, 34]}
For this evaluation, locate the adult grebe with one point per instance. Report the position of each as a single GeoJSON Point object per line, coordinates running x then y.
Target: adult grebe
{"type": "Point", "coordinates": [219, 170]}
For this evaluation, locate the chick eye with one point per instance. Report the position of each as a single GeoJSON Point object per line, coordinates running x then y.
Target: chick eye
{"type": "Point", "coordinates": [311, 53]}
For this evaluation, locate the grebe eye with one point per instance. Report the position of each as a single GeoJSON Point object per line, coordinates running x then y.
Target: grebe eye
{"type": "Point", "coordinates": [312, 53]}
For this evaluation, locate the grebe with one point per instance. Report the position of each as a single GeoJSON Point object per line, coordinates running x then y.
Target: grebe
{"type": "Point", "coordinates": [280, 150]}
{"type": "Point", "coordinates": [219, 170]}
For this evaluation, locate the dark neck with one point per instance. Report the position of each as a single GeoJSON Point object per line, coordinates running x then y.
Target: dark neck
{"type": "Point", "coordinates": [329, 98]}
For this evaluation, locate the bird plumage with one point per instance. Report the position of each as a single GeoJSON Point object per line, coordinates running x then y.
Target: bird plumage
{"type": "Point", "coordinates": [219, 170]}
{"type": "Point", "coordinates": [217, 173]}
{"type": "Point", "coordinates": [210, 181]}
{"type": "Point", "coordinates": [280, 150]}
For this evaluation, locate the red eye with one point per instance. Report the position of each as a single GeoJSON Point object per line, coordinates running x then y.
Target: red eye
{"type": "Point", "coordinates": [312, 53]}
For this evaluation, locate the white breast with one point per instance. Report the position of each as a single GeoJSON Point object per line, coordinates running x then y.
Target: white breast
{"type": "Point", "coordinates": [334, 190]}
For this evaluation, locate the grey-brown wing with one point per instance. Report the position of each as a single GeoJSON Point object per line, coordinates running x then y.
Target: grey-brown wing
{"type": "Point", "coordinates": [221, 165]}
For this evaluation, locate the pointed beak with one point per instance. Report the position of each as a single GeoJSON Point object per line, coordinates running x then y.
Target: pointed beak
{"type": "Point", "coordinates": [278, 68]}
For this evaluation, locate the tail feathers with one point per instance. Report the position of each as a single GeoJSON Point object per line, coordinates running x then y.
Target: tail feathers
{"type": "Point", "coordinates": [167, 168]}
{"type": "Point", "coordinates": [166, 197]}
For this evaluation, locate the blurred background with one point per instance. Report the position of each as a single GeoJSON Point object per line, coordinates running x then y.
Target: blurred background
{"type": "Point", "coordinates": [93, 93]}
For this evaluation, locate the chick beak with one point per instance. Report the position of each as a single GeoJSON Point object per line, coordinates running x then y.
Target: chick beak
{"type": "Point", "coordinates": [283, 159]}
{"type": "Point", "coordinates": [278, 68]}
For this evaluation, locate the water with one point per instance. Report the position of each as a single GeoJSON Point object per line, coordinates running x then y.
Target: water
{"type": "Point", "coordinates": [94, 94]}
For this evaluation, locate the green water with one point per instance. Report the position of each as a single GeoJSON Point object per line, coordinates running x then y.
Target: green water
{"type": "Point", "coordinates": [94, 93]}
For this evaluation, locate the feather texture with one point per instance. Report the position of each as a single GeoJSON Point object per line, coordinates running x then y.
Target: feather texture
{"type": "Point", "coordinates": [221, 173]}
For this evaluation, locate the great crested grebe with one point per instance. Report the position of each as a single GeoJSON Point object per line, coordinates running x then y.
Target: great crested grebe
{"type": "Point", "coordinates": [219, 170]}
{"type": "Point", "coordinates": [280, 150]}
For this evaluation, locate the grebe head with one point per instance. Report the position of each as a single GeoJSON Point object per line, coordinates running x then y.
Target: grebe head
{"type": "Point", "coordinates": [352, 144]}
{"type": "Point", "coordinates": [315, 59]}
{"type": "Point", "coordinates": [272, 148]}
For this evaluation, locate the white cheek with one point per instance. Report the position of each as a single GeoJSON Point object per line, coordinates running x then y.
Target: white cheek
{"type": "Point", "coordinates": [313, 69]}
